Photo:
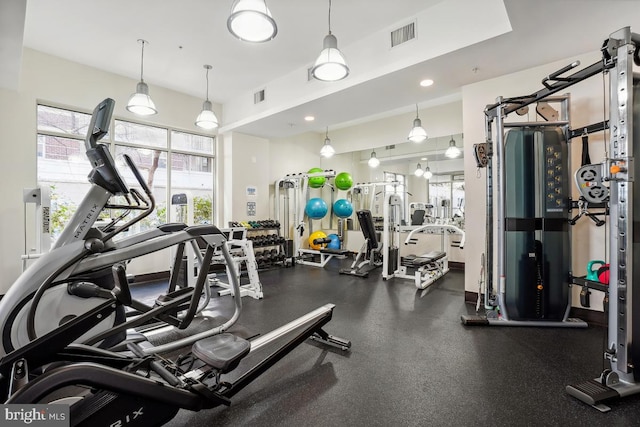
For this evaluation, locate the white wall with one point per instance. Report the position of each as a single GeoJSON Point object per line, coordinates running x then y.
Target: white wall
{"type": "Point", "coordinates": [51, 79]}
{"type": "Point", "coordinates": [586, 108]}
{"type": "Point", "coordinates": [250, 168]}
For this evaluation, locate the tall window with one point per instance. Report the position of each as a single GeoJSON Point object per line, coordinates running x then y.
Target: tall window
{"type": "Point", "coordinates": [171, 161]}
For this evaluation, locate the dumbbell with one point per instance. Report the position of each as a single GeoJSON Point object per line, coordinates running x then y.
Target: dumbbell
{"type": "Point", "coordinates": [321, 241]}
{"type": "Point", "coordinates": [260, 259]}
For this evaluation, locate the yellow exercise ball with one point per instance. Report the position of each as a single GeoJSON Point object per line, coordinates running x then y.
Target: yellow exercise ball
{"type": "Point", "coordinates": [317, 235]}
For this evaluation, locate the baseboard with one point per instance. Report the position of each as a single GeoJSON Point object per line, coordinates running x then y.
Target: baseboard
{"type": "Point", "coordinates": [151, 277]}
{"type": "Point", "coordinates": [472, 297]}
{"type": "Point", "coordinates": [455, 265]}
{"type": "Point", "coordinates": [592, 317]}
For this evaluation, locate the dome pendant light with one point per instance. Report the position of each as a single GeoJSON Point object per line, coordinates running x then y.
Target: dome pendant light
{"type": "Point", "coordinates": [330, 65]}
{"type": "Point", "coordinates": [419, 171]}
{"type": "Point", "coordinates": [373, 162]}
{"type": "Point", "coordinates": [417, 134]}
{"type": "Point", "coordinates": [207, 118]}
{"type": "Point", "coordinates": [140, 102]}
{"type": "Point", "coordinates": [327, 149]}
{"type": "Point", "coordinates": [251, 21]}
{"type": "Point", "coordinates": [453, 151]}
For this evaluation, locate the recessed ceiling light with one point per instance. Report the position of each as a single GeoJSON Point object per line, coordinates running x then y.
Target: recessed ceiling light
{"type": "Point", "coordinates": [423, 158]}
{"type": "Point", "coordinates": [309, 118]}
{"type": "Point", "coordinates": [426, 82]}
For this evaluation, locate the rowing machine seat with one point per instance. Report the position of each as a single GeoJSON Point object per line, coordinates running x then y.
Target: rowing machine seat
{"type": "Point", "coordinates": [222, 352]}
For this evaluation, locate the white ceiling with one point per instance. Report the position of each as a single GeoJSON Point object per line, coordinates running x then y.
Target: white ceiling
{"type": "Point", "coordinates": [184, 35]}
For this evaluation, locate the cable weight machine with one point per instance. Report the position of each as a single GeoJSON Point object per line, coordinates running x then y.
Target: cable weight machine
{"type": "Point", "coordinates": [619, 53]}
{"type": "Point", "coordinates": [532, 194]}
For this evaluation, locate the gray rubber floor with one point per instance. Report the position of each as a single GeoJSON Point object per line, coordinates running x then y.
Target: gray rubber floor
{"type": "Point", "coordinates": [412, 363]}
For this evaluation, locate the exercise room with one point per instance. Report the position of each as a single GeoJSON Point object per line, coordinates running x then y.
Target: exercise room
{"type": "Point", "coordinates": [319, 213]}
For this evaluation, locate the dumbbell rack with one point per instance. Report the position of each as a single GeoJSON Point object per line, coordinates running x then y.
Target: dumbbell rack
{"type": "Point", "coordinates": [267, 242]}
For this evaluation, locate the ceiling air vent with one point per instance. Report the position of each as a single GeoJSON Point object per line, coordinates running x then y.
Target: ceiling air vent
{"type": "Point", "coordinates": [258, 97]}
{"type": "Point", "coordinates": [403, 34]}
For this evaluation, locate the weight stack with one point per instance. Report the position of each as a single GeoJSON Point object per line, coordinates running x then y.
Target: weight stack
{"type": "Point", "coordinates": [537, 239]}
{"type": "Point", "coordinates": [393, 260]}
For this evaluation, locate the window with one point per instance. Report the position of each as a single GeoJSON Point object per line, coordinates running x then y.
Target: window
{"type": "Point", "coordinates": [137, 134]}
{"type": "Point", "coordinates": [61, 121]}
{"type": "Point", "coordinates": [446, 194]}
{"type": "Point", "coordinates": [191, 142]}
{"type": "Point", "coordinates": [193, 175]}
{"type": "Point", "coordinates": [63, 166]}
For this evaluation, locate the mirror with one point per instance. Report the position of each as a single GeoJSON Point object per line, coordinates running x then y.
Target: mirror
{"type": "Point", "coordinates": [441, 196]}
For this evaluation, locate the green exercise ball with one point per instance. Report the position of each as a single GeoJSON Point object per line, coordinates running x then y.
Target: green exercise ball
{"type": "Point", "coordinates": [316, 181]}
{"type": "Point", "coordinates": [344, 181]}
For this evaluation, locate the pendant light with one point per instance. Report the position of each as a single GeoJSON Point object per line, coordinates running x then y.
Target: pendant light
{"type": "Point", "coordinates": [453, 151]}
{"type": "Point", "coordinates": [373, 162]}
{"type": "Point", "coordinates": [330, 65]}
{"type": "Point", "coordinates": [207, 118]}
{"type": "Point", "coordinates": [427, 173]}
{"type": "Point", "coordinates": [327, 149]}
{"type": "Point", "coordinates": [140, 102]}
{"type": "Point", "coordinates": [251, 21]}
{"type": "Point", "coordinates": [417, 134]}
{"type": "Point", "coordinates": [419, 171]}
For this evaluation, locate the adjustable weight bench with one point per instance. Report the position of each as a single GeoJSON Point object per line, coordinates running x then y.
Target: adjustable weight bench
{"type": "Point", "coordinates": [370, 250]}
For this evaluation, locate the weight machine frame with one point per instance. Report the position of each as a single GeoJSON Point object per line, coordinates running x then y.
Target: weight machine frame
{"type": "Point", "coordinates": [497, 113]}
{"type": "Point", "coordinates": [241, 250]}
{"type": "Point", "coordinates": [623, 344]}
{"type": "Point", "coordinates": [422, 276]}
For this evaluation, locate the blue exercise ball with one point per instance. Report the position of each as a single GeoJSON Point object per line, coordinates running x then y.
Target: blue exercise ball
{"type": "Point", "coordinates": [342, 208]}
{"type": "Point", "coordinates": [335, 241]}
{"type": "Point", "coordinates": [316, 208]}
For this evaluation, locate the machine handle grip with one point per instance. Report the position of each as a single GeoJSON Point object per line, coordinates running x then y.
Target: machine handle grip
{"type": "Point", "coordinates": [137, 173]}
{"type": "Point", "coordinates": [121, 290]}
{"type": "Point", "coordinates": [88, 290]}
{"type": "Point", "coordinates": [555, 75]}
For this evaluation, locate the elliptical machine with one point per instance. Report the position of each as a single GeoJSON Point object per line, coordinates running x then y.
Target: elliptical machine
{"type": "Point", "coordinates": [77, 355]}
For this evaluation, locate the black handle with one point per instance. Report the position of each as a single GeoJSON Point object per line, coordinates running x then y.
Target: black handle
{"type": "Point", "coordinates": [121, 290]}
{"type": "Point", "coordinates": [554, 75]}
{"type": "Point", "coordinates": [88, 290]}
{"type": "Point", "coordinates": [137, 173]}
